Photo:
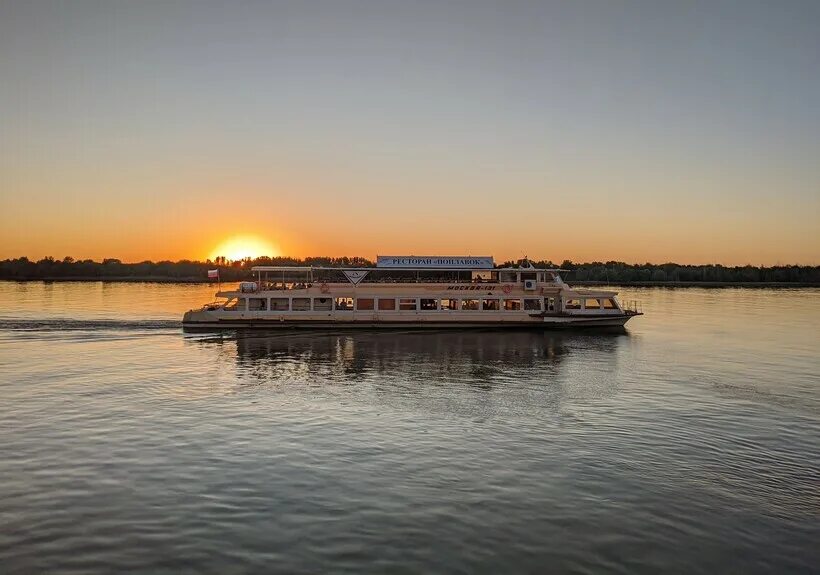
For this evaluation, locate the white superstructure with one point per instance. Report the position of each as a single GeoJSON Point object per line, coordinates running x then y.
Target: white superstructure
{"type": "Point", "coordinates": [411, 291]}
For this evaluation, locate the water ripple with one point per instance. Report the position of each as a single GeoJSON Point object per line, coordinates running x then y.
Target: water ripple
{"type": "Point", "coordinates": [689, 445]}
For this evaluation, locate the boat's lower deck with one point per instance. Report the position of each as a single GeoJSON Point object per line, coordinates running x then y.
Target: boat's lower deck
{"type": "Point", "coordinates": [205, 320]}
{"type": "Point", "coordinates": [417, 306]}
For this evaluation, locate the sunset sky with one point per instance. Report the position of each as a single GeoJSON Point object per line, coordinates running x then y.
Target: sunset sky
{"type": "Point", "coordinates": [589, 130]}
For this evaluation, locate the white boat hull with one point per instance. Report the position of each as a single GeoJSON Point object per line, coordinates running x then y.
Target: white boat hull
{"type": "Point", "coordinates": [210, 320]}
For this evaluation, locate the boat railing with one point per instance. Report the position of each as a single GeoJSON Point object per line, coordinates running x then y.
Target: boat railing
{"type": "Point", "coordinates": [266, 285]}
{"type": "Point", "coordinates": [633, 305]}
{"type": "Point", "coordinates": [279, 286]}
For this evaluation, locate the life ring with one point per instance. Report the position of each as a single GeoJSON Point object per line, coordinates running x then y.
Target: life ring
{"type": "Point", "coordinates": [507, 288]}
{"type": "Point", "coordinates": [325, 288]}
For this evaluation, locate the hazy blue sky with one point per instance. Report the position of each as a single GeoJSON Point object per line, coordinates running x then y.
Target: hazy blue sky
{"type": "Point", "coordinates": [685, 131]}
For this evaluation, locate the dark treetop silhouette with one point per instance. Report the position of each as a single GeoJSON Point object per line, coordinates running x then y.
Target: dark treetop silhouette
{"type": "Point", "coordinates": [594, 272]}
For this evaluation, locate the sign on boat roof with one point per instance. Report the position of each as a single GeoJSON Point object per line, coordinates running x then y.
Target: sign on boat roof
{"type": "Point", "coordinates": [436, 262]}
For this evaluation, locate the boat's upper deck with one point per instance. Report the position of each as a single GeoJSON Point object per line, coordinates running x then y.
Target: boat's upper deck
{"type": "Point", "coordinates": [432, 285]}
{"type": "Point", "coordinates": [295, 277]}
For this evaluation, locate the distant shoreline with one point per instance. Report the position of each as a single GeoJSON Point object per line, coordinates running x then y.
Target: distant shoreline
{"type": "Point", "coordinates": [698, 284]}
{"type": "Point", "coordinates": [199, 280]}
{"type": "Point", "coordinates": [590, 273]}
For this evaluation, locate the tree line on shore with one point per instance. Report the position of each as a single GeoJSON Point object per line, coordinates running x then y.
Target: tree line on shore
{"type": "Point", "coordinates": [606, 272]}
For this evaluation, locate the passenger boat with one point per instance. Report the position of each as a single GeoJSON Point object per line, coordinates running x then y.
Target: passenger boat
{"type": "Point", "coordinates": [411, 292]}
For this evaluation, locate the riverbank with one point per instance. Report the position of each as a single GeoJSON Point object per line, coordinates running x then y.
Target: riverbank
{"type": "Point", "coordinates": [121, 279]}
{"type": "Point", "coordinates": [699, 284]}
{"type": "Point", "coordinates": [595, 273]}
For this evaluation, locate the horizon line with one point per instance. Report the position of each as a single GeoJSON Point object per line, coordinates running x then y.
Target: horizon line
{"type": "Point", "coordinates": [228, 262]}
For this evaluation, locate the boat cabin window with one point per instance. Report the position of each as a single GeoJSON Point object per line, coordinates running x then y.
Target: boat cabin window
{"type": "Point", "coordinates": [301, 304]}
{"type": "Point", "coordinates": [428, 304]}
{"type": "Point", "coordinates": [406, 304]}
{"type": "Point", "coordinates": [507, 277]}
{"type": "Point", "coordinates": [532, 304]}
{"type": "Point", "coordinates": [386, 304]}
{"type": "Point", "coordinates": [610, 304]}
{"type": "Point", "coordinates": [469, 304]}
{"type": "Point", "coordinates": [512, 304]}
{"type": "Point", "coordinates": [235, 304]}
{"type": "Point", "coordinates": [592, 303]}
{"type": "Point", "coordinates": [321, 304]}
{"type": "Point", "coordinates": [572, 304]}
{"type": "Point", "coordinates": [489, 304]}
{"type": "Point", "coordinates": [344, 303]}
{"type": "Point", "coordinates": [364, 303]}
{"type": "Point", "coordinates": [257, 304]}
{"type": "Point", "coordinates": [485, 276]}
{"type": "Point", "coordinates": [279, 304]}
{"type": "Point", "coordinates": [528, 276]}
{"type": "Point", "coordinates": [449, 304]}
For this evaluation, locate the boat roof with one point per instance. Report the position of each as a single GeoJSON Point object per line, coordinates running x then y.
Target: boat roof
{"type": "Point", "coordinates": [408, 268]}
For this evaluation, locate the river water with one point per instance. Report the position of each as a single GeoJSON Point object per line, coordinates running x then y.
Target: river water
{"type": "Point", "coordinates": [689, 444]}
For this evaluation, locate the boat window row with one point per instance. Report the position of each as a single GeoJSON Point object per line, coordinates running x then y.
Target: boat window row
{"type": "Point", "coordinates": [591, 304]}
{"type": "Point", "coordinates": [387, 304]}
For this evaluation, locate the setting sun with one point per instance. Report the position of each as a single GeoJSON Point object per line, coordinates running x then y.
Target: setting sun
{"type": "Point", "coordinates": [240, 247]}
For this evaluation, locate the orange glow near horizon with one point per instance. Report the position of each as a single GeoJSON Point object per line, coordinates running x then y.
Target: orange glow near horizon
{"type": "Point", "coordinates": [244, 246]}
{"type": "Point", "coordinates": [495, 136]}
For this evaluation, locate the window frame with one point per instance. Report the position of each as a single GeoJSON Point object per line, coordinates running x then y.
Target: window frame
{"type": "Point", "coordinates": [405, 301]}
{"type": "Point", "coordinates": [485, 300]}
{"type": "Point", "coordinates": [379, 301]}
{"type": "Point", "coordinates": [453, 304]}
{"type": "Point", "coordinates": [349, 299]}
{"type": "Point", "coordinates": [511, 299]}
{"type": "Point", "coordinates": [329, 304]}
{"type": "Point", "coordinates": [595, 299]}
{"type": "Point", "coordinates": [537, 300]}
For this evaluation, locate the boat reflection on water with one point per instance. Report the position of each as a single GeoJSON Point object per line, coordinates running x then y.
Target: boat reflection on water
{"type": "Point", "coordinates": [480, 359]}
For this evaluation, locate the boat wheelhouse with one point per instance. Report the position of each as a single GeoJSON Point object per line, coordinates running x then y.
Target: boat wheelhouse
{"type": "Point", "coordinates": [411, 292]}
